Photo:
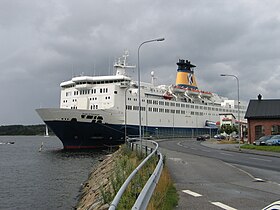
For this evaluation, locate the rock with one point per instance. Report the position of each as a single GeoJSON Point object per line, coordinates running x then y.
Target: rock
{"type": "Point", "coordinates": [99, 178]}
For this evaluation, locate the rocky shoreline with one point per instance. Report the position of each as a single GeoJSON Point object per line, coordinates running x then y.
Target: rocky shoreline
{"type": "Point", "coordinates": [98, 180]}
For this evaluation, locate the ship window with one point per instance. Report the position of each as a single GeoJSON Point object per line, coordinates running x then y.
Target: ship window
{"type": "Point", "coordinates": [155, 102]}
{"type": "Point", "coordinates": [150, 109]}
{"type": "Point", "coordinates": [172, 104]}
{"type": "Point", "coordinates": [143, 108]}
{"type": "Point", "coordinates": [183, 112]}
{"type": "Point", "coordinates": [89, 117]}
{"type": "Point", "coordinates": [192, 106]}
{"type": "Point", "coordinates": [182, 105]}
{"type": "Point", "coordinates": [196, 107]}
{"type": "Point", "coordinates": [149, 101]}
{"type": "Point", "coordinates": [161, 109]}
{"type": "Point", "coordinates": [100, 90]}
{"type": "Point", "coordinates": [177, 111]}
{"type": "Point", "coordinates": [161, 103]}
{"type": "Point", "coordinates": [172, 111]}
{"type": "Point", "coordinates": [115, 92]}
{"type": "Point", "coordinates": [166, 103]}
{"type": "Point", "coordinates": [177, 104]}
{"type": "Point", "coordinates": [187, 106]}
{"type": "Point", "coordinates": [192, 113]}
{"type": "Point", "coordinates": [166, 110]}
{"type": "Point", "coordinates": [83, 116]}
{"type": "Point", "coordinates": [135, 108]}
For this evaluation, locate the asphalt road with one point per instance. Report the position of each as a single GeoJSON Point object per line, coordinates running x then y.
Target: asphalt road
{"type": "Point", "coordinates": [209, 178]}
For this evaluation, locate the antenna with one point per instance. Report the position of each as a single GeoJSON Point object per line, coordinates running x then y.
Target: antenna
{"type": "Point", "coordinates": [153, 77]}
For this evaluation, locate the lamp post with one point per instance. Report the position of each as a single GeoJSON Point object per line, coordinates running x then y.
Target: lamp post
{"type": "Point", "coordinates": [139, 96]}
{"type": "Point", "coordinates": [231, 75]}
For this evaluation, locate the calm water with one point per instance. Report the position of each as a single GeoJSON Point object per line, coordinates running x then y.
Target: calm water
{"type": "Point", "coordinates": [50, 179]}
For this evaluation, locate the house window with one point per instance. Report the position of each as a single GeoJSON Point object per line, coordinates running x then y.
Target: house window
{"type": "Point", "coordinates": [259, 131]}
{"type": "Point", "coordinates": [275, 129]}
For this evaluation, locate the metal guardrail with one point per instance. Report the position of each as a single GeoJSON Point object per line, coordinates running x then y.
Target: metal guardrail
{"type": "Point", "coordinates": [147, 191]}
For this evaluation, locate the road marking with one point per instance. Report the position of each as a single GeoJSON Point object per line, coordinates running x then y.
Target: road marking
{"type": "Point", "coordinates": [222, 153]}
{"type": "Point", "coordinates": [181, 145]}
{"type": "Point", "coordinates": [223, 206]}
{"type": "Point", "coordinates": [194, 194]}
{"type": "Point", "coordinates": [193, 148]}
{"type": "Point", "coordinates": [260, 159]}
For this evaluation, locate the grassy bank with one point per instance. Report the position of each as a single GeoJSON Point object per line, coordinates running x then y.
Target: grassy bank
{"type": "Point", "coordinates": [262, 148]}
{"type": "Point", "coordinates": [165, 195]}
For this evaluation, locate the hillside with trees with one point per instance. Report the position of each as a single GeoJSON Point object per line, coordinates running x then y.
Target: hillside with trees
{"type": "Point", "coordinates": [16, 130]}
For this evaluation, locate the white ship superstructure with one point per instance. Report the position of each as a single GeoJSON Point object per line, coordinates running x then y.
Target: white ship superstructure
{"type": "Point", "coordinates": [100, 110]}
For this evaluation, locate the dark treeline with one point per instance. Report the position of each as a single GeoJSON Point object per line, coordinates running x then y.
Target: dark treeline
{"type": "Point", "coordinates": [8, 130]}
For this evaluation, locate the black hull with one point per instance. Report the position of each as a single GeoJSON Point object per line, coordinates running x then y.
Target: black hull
{"type": "Point", "coordinates": [83, 135]}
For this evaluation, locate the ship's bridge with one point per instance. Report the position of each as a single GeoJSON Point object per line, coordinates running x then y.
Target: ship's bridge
{"type": "Point", "coordinates": [83, 82]}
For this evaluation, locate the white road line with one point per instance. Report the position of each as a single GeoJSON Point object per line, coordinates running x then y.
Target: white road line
{"type": "Point", "coordinates": [261, 159]}
{"type": "Point", "coordinates": [223, 206]}
{"type": "Point", "coordinates": [222, 153]}
{"type": "Point", "coordinates": [193, 148]}
{"type": "Point", "coordinates": [191, 193]}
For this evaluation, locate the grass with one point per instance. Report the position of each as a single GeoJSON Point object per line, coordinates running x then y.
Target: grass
{"type": "Point", "coordinates": [227, 141]}
{"type": "Point", "coordinates": [165, 196]}
{"type": "Point", "coordinates": [262, 148]}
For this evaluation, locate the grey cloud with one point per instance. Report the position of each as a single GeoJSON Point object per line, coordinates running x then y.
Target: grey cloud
{"type": "Point", "coordinates": [46, 42]}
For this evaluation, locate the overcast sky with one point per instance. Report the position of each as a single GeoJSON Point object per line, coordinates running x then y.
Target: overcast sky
{"type": "Point", "coordinates": [46, 42]}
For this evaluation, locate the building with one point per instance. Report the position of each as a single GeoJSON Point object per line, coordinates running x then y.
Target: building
{"type": "Point", "coordinates": [263, 118]}
{"type": "Point", "coordinates": [227, 119]}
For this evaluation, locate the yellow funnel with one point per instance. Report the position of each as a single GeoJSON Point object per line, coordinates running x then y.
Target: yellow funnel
{"type": "Point", "coordinates": [185, 74]}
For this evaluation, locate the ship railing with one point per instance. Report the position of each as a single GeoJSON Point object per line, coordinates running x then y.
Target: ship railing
{"type": "Point", "coordinates": [145, 195]}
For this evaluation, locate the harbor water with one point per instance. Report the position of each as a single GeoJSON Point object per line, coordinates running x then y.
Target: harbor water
{"type": "Point", "coordinates": [46, 179]}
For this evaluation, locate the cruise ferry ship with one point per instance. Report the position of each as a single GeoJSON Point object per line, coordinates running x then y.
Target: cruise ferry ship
{"type": "Point", "coordinates": [97, 111]}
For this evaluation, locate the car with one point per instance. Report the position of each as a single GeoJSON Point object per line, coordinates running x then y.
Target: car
{"type": "Point", "coordinates": [219, 137]}
{"type": "Point", "coordinates": [262, 140]}
{"type": "Point", "coordinates": [201, 138]}
{"type": "Point", "coordinates": [275, 140]}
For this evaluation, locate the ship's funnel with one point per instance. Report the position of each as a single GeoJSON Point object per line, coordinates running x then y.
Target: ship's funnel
{"type": "Point", "coordinates": [185, 74]}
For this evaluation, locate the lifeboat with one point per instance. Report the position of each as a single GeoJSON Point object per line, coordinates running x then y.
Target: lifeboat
{"type": "Point", "coordinates": [167, 96]}
{"type": "Point", "coordinates": [178, 89]}
{"type": "Point", "coordinates": [205, 94]}
{"type": "Point", "coordinates": [193, 91]}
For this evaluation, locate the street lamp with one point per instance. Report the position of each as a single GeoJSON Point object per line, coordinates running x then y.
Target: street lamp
{"type": "Point", "coordinates": [239, 132]}
{"type": "Point", "coordinates": [139, 96]}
